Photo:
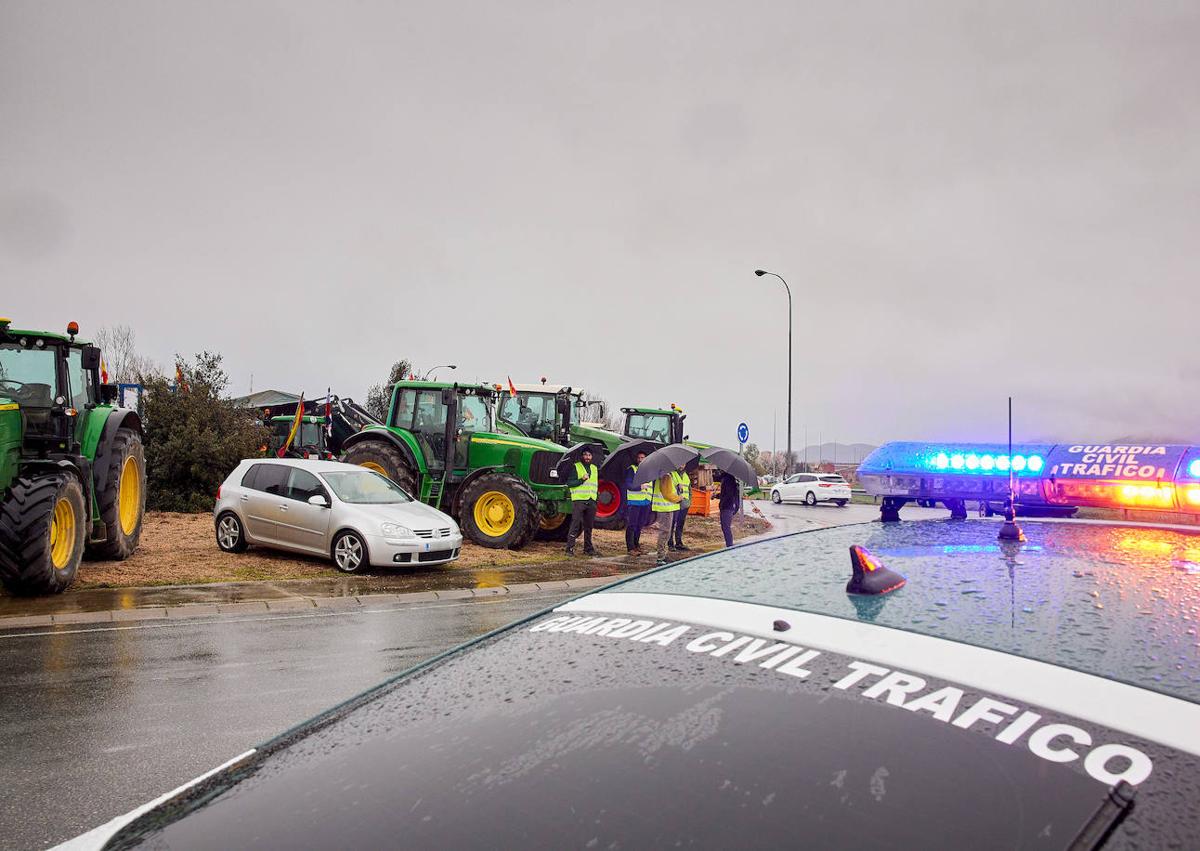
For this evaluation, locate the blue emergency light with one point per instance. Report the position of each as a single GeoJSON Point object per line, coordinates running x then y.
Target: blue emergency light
{"type": "Point", "coordinates": [1157, 476]}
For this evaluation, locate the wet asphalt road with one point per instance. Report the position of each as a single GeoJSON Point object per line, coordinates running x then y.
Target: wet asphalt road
{"type": "Point", "coordinates": [98, 721]}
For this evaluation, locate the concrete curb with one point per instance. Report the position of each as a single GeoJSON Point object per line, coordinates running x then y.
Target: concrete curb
{"type": "Point", "coordinates": [362, 602]}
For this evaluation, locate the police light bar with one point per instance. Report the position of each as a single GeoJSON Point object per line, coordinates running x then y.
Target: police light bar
{"type": "Point", "coordinates": [1158, 476]}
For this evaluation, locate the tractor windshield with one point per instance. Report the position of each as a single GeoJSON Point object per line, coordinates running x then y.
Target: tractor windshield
{"type": "Point", "coordinates": [649, 427]}
{"type": "Point", "coordinates": [27, 375]}
{"type": "Point", "coordinates": [474, 413]}
{"type": "Point", "coordinates": [532, 413]}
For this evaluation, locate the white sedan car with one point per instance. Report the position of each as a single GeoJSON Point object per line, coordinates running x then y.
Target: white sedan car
{"type": "Point", "coordinates": [342, 511]}
{"type": "Point", "coordinates": [811, 488]}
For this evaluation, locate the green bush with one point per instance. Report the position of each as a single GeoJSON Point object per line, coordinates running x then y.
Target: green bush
{"type": "Point", "coordinates": [194, 436]}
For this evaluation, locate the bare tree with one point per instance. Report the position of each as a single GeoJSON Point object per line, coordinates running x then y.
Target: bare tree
{"type": "Point", "coordinates": [379, 396]}
{"type": "Point", "coordinates": [118, 346]}
{"type": "Point", "coordinates": [599, 411]}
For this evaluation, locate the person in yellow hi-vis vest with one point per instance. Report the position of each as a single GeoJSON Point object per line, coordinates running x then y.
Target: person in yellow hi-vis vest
{"type": "Point", "coordinates": [585, 488]}
{"type": "Point", "coordinates": [683, 487]}
{"type": "Point", "coordinates": [665, 504]}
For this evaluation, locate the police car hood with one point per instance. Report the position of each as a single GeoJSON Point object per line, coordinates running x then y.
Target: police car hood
{"type": "Point", "coordinates": [642, 720]}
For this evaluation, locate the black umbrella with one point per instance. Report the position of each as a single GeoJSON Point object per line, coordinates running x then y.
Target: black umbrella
{"type": "Point", "coordinates": [614, 466]}
{"type": "Point", "coordinates": [662, 461]}
{"type": "Point", "coordinates": [571, 455]}
{"type": "Point", "coordinates": [732, 463]}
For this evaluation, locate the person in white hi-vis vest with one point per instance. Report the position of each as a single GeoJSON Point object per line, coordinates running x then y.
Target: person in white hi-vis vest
{"type": "Point", "coordinates": [585, 488]}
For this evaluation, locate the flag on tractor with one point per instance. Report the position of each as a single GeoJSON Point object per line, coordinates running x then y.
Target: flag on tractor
{"type": "Point", "coordinates": [512, 388]}
{"type": "Point", "coordinates": [103, 372]}
{"type": "Point", "coordinates": [295, 428]}
{"type": "Point", "coordinates": [328, 414]}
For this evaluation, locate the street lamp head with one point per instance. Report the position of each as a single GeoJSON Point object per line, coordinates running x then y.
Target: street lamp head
{"type": "Point", "coordinates": [452, 366]}
{"type": "Point", "coordinates": [759, 272]}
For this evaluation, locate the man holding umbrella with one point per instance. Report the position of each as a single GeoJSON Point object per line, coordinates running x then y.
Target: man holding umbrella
{"type": "Point", "coordinates": [666, 509]}
{"type": "Point", "coordinates": [637, 501]}
{"type": "Point", "coordinates": [683, 487]}
{"type": "Point", "coordinates": [584, 483]}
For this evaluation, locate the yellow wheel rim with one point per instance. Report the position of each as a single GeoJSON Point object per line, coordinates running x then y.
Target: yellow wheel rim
{"type": "Point", "coordinates": [129, 497]}
{"type": "Point", "coordinates": [62, 534]}
{"type": "Point", "coordinates": [494, 514]}
{"type": "Point", "coordinates": [553, 521]}
{"type": "Point", "coordinates": [375, 468]}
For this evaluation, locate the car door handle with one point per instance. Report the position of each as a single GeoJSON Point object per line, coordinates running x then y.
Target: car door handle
{"type": "Point", "coordinates": [283, 508]}
{"type": "Point", "coordinates": [245, 498]}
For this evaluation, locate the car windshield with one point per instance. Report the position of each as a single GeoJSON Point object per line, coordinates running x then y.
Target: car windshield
{"type": "Point", "coordinates": [27, 375]}
{"type": "Point", "coordinates": [1112, 600]}
{"type": "Point", "coordinates": [365, 488]}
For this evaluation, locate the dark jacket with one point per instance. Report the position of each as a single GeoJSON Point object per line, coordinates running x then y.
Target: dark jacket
{"type": "Point", "coordinates": [731, 493]}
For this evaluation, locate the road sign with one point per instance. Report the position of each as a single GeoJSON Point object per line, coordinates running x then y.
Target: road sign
{"type": "Point", "coordinates": [743, 432]}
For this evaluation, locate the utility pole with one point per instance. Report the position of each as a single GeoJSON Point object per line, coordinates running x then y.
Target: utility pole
{"type": "Point", "coordinates": [760, 273]}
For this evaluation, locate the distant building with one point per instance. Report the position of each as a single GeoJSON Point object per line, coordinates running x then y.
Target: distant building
{"type": "Point", "coordinates": [267, 399]}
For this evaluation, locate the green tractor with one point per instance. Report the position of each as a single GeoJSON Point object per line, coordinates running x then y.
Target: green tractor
{"type": "Point", "coordinates": [324, 427]}
{"type": "Point", "coordinates": [555, 412]}
{"type": "Point", "coordinates": [72, 468]}
{"type": "Point", "coordinates": [440, 445]}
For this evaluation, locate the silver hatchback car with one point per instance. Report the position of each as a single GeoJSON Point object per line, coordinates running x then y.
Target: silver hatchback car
{"type": "Point", "coordinates": [351, 514]}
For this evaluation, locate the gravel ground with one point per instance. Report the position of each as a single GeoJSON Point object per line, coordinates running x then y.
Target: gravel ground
{"type": "Point", "coordinates": [180, 549]}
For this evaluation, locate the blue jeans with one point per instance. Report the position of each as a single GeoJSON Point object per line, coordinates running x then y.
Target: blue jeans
{"type": "Point", "coordinates": [727, 515]}
{"type": "Point", "coordinates": [637, 515]}
{"type": "Point", "coordinates": [680, 519]}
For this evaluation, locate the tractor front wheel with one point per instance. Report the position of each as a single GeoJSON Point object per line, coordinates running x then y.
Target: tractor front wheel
{"type": "Point", "coordinates": [553, 527]}
{"type": "Point", "coordinates": [123, 502]}
{"type": "Point", "coordinates": [43, 524]}
{"type": "Point", "coordinates": [499, 511]}
{"type": "Point", "coordinates": [387, 460]}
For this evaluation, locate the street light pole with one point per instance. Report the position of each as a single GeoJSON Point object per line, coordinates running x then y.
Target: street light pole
{"type": "Point", "coordinates": [432, 370]}
{"type": "Point", "coordinates": [788, 462]}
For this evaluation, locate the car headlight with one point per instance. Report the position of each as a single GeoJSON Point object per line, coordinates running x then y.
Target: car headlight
{"type": "Point", "coordinates": [392, 530]}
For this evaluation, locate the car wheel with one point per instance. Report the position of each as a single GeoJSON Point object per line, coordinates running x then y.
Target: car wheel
{"type": "Point", "coordinates": [776, 498]}
{"type": "Point", "coordinates": [841, 502]}
{"type": "Point", "coordinates": [350, 552]}
{"type": "Point", "coordinates": [230, 535]}
{"type": "Point", "coordinates": [810, 498]}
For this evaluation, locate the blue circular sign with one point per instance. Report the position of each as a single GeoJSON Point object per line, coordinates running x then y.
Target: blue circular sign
{"type": "Point", "coordinates": [743, 432]}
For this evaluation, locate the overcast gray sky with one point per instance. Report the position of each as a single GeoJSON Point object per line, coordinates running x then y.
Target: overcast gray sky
{"type": "Point", "coordinates": [969, 200]}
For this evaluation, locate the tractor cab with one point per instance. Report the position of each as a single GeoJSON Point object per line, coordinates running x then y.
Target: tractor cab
{"type": "Point", "coordinates": [311, 440]}
{"type": "Point", "coordinates": [661, 426]}
{"type": "Point", "coordinates": [441, 416]}
{"type": "Point", "coordinates": [51, 380]}
{"type": "Point", "coordinates": [544, 411]}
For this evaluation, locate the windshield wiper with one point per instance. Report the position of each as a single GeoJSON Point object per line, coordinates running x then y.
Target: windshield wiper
{"type": "Point", "coordinates": [1117, 802]}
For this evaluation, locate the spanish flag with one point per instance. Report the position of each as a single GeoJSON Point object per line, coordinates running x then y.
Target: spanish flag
{"type": "Point", "coordinates": [512, 388]}
{"type": "Point", "coordinates": [180, 381]}
{"type": "Point", "coordinates": [295, 427]}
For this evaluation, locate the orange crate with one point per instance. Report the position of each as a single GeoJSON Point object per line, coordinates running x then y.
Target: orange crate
{"type": "Point", "coordinates": [703, 503]}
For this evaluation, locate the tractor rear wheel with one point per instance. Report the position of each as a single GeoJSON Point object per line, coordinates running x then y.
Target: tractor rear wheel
{"type": "Point", "coordinates": [553, 527]}
{"type": "Point", "coordinates": [43, 524]}
{"type": "Point", "coordinates": [609, 504]}
{"type": "Point", "coordinates": [387, 460]}
{"type": "Point", "coordinates": [499, 511]}
{"type": "Point", "coordinates": [123, 502]}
